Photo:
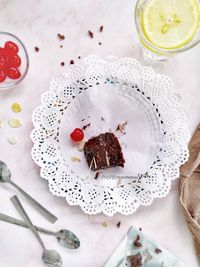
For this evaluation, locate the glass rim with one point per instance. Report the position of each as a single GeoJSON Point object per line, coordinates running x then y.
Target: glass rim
{"type": "Point", "coordinates": [158, 50]}
{"type": "Point", "coordinates": [27, 61]}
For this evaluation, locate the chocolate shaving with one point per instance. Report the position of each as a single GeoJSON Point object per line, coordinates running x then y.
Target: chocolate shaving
{"type": "Point", "coordinates": [118, 224]}
{"type": "Point", "coordinates": [91, 34]}
{"type": "Point", "coordinates": [83, 120]}
{"type": "Point", "coordinates": [137, 243]}
{"type": "Point", "coordinates": [37, 49]}
{"type": "Point", "coordinates": [96, 175]}
{"type": "Point", "coordinates": [86, 126]}
{"type": "Point", "coordinates": [62, 64]}
{"type": "Point", "coordinates": [158, 251]}
{"type": "Point", "coordinates": [71, 62]}
{"type": "Point", "coordinates": [101, 28]}
{"type": "Point", "coordinates": [61, 37]}
{"type": "Point", "coordinates": [135, 260]}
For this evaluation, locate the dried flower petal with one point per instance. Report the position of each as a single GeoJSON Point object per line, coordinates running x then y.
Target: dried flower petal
{"type": "Point", "coordinates": [16, 107]}
{"type": "Point", "coordinates": [15, 123]}
{"type": "Point", "coordinates": [75, 159]}
{"type": "Point", "coordinates": [11, 140]}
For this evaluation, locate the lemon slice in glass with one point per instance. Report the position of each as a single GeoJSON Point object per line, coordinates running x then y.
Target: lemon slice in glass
{"type": "Point", "coordinates": [170, 24]}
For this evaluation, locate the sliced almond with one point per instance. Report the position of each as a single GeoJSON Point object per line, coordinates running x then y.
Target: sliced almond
{"type": "Point", "coordinates": [81, 145]}
{"type": "Point", "coordinates": [75, 159]}
{"type": "Point", "coordinates": [11, 140]}
{"type": "Point", "coordinates": [15, 123]}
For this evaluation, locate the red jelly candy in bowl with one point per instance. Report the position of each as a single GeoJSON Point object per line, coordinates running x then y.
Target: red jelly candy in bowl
{"type": "Point", "coordinates": [13, 73]}
{"type": "Point", "coordinates": [4, 62]}
{"type": "Point", "coordinates": [11, 47]}
{"type": "Point", "coordinates": [2, 76]}
{"type": "Point", "coordinates": [15, 61]}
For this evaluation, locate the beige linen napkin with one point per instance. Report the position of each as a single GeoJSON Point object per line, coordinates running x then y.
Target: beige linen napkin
{"type": "Point", "coordinates": [190, 188]}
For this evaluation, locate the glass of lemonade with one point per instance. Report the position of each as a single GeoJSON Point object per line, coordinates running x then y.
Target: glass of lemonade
{"type": "Point", "coordinates": [167, 27]}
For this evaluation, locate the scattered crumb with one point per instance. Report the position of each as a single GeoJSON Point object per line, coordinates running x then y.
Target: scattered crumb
{"type": "Point", "coordinates": [14, 123]}
{"type": "Point", "coordinates": [62, 64]}
{"type": "Point", "coordinates": [83, 120]}
{"type": "Point", "coordinates": [1, 124]}
{"type": "Point", "coordinates": [101, 28]}
{"type": "Point", "coordinates": [140, 229]}
{"type": "Point", "coordinates": [118, 224]}
{"type": "Point", "coordinates": [81, 145]}
{"type": "Point", "coordinates": [37, 49]}
{"type": "Point", "coordinates": [86, 126]}
{"type": "Point", "coordinates": [75, 159]}
{"type": "Point", "coordinates": [91, 34]}
{"type": "Point", "coordinates": [96, 175]}
{"type": "Point", "coordinates": [118, 181]}
{"type": "Point", "coordinates": [100, 43]}
{"type": "Point", "coordinates": [79, 57]}
{"type": "Point", "coordinates": [137, 242]}
{"type": "Point", "coordinates": [11, 140]}
{"type": "Point", "coordinates": [16, 107]}
{"type": "Point", "coordinates": [121, 127]}
{"type": "Point", "coordinates": [158, 251]}
{"type": "Point", "coordinates": [102, 119]}
{"type": "Point", "coordinates": [71, 62]}
{"type": "Point", "coordinates": [61, 46]}
{"type": "Point", "coordinates": [61, 37]}
{"type": "Point", "coordinates": [104, 224]}
{"type": "Point", "coordinates": [135, 260]}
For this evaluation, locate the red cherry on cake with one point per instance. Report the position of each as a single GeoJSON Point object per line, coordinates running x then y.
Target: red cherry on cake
{"type": "Point", "coordinates": [77, 135]}
{"type": "Point", "coordinates": [13, 73]}
{"type": "Point", "coordinates": [2, 76]}
{"type": "Point", "coordinates": [11, 47]}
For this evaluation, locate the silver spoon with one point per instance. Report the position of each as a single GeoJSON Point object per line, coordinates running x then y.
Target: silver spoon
{"type": "Point", "coordinates": [64, 237]}
{"type": "Point", "coordinates": [49, 257]}
{"type": "Point", "coordinates": [5, 177]}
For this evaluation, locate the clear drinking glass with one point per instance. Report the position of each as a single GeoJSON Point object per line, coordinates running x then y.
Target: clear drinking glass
{"type": "Point", "coordinates": [152, 52]}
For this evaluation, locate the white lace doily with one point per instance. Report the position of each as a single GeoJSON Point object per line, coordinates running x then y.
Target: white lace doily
{"type": "Point", "coordinates": [156, 132]}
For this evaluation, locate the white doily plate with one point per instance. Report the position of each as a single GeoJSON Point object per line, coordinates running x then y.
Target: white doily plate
{"type": "Point", "coordinates": [104, 93]}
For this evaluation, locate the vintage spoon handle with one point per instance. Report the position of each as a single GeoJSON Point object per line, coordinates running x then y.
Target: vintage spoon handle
{"type": "Point", "coordinates": [24, 215]}
{"type": "Point", "coordinates": [12, 220]}
{"type": "Point", "coordinates": [36, 204]}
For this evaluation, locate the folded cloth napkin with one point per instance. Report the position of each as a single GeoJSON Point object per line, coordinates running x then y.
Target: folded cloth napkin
{"type": "Point", "coordinates": [190, 188]}
{"type": "Point", "coordinates": [136, 250]}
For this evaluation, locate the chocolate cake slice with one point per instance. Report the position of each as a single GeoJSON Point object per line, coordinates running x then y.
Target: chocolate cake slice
{"type": "Point", "coordinates": [103, 151]}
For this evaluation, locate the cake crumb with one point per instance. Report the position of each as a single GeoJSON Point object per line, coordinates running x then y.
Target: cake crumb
{"type": "Point", "coordinates": [101, 28]}
{"type": "Point", "coordinates": [75, 159]}
{"type": "Point", "coordinates": [96, 175]}
{"type": "Point", "coordinates": [71, 62]}
{"type": "Point", "coordinates": [121, 127]}
{"type": "Point", "coordinates": [137, 242]}
{"type": "Point", "coordinates": [100, 43]}
{"type": "Point", "coordinates": [61, 46]}
{"type": "Point", "coordinates": [37, 49]}
{"type": "Point", "coordinates": [118, 224]}
{"type": "Point", "coordinates": [62, 64]}
{"type": "Point", "coordinates": [91, 34]}
{"type": "Point", "coordinates": [1, 124]}
{"type": "Point", "coordinates": [102, 119]}
{"type": "Point", "coordinates": [140, 229]}
{"type": "Point", "coordinates": [61, 37]}
{"type": "Point", "coordinates": [86, 126]}
{"type": "Point", "coordinates": [135, 260]}
{"type": "Point", "coordinates": [158, 251]}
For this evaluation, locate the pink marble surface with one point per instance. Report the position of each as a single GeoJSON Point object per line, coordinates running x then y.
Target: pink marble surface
{"type": "Point", "coordinates": [37, 24]}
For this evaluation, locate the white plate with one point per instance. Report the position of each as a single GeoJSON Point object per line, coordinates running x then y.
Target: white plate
{"type": "Point", "coordinates": [154, 146]}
